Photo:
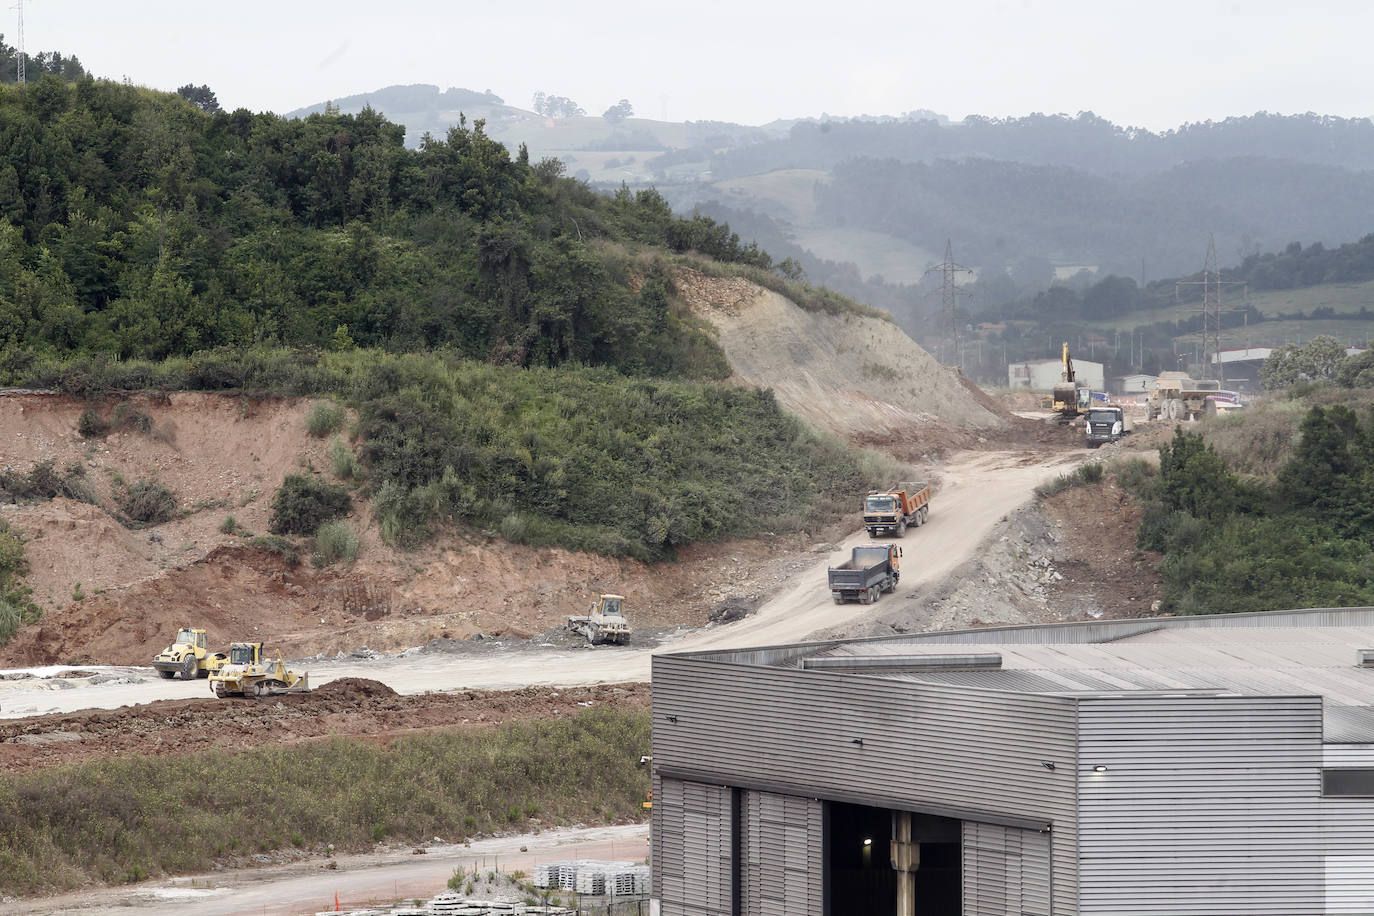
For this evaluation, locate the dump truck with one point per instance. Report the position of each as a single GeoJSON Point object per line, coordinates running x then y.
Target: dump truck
{"type": "Point", "coordinates": [1178, 397]}
{"type": "Point", "coordinates": [188, 656]}
{"type": "Point", "coordinates": [870, 570]}
{"type": "Point", "coordinates": [905, 505]}
{"type": "Point", "coordinates": [1104, 424]}
{"type": "Point", "coordinates": [248, 674]}
{"type": "Point", "coordinates": [604, 623]}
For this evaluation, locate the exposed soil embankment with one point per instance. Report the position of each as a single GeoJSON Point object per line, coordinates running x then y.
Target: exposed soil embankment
{"type": "Point", "coordinates": [861, 378]}
{"type": "Point", "coordinates": [354, 707]}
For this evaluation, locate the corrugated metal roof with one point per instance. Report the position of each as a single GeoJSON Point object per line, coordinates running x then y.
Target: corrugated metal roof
{"type": "Point", "coordinates": [1287, 654]}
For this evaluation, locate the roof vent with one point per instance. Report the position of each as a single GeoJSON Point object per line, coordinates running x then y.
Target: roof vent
{"type": "Point", "coordinates": [1364, 658]}
{"type": "Point", "coordinates": [907, 662]}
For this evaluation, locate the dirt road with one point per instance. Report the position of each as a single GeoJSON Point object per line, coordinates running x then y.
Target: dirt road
{"type": "Point", "coordinates": [358, 880]}
{"type": "Point", "coordinates": [975, 490]}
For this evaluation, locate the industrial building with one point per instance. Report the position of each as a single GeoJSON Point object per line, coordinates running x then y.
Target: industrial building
{"type": "Point", "coordinates": [1219, 765]}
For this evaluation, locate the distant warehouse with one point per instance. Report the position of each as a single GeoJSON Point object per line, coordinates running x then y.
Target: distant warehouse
{"type": "Point", "coordinates": [1182, 766]}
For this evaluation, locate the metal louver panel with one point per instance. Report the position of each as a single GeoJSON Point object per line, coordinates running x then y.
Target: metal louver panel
{"type": "Point", "coordinates": [1006, 871]}
{"type": "Point", "coordinates": [781, 855]}
{"type": "Point", "coordinates": [696, 837]}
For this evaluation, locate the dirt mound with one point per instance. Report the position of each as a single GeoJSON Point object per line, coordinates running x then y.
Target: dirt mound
{"type": "Point", "coordinates": [357, 709]}
{"type": "Point", "coordinates": [355, 688]}
{"type": "Point", "coordinates": [861, 378]}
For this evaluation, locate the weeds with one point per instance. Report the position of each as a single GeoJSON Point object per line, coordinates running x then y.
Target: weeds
{"type": "Point", "coordinates": [108, 819]}
{"type": "Point", "coordinates": [342, 461]}
{"type": "Point", "coordinates": [335, 542]}
{"type": "Point", "coordinates": [324, 418]}
{"type": "Point", "coordinates": [1083, 475]}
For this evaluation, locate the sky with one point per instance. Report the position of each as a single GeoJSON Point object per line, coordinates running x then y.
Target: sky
{"type": "Point", "coordinates": [1153, 65]}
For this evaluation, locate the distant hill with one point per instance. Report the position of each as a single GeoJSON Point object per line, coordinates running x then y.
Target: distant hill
{"type": "Point", "coordinates": [865, 205]}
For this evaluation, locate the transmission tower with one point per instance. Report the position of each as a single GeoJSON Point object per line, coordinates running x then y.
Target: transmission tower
{"type": "Point", "coordinates": [19, 60]}
{"type": "Point", "coordinates": [1212, 308]}
{"type": "Point", "coordinates": [949, 299]}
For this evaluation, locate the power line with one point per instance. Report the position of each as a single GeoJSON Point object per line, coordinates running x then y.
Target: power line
{"type": "Point", "coordinates": [949, 297]}
{"type": "Point", "coordinates": [1212, 307]}
{"type": "Point", "coordinates": [19, 5]}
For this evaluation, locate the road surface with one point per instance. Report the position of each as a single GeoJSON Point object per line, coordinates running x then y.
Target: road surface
{"type": "Point", "coordinates": [976, 490]}
{"type": "Point", "coordinates": [360, 881]}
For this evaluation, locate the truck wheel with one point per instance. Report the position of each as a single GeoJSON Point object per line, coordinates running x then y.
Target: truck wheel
{"type": "Point", "coordinates": [838, 600]}
{"type": "Point", "coordinates": [872, 534]}
{"type": "Point", "coordinates": [188, 668]}
{"type": "Point", "coordinates": [901, 529]}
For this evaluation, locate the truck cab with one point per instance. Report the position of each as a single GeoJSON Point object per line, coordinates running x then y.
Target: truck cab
{"type": "Point", "coordinates": [1104, 424]}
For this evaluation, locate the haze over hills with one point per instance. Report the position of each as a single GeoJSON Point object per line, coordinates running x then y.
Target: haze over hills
{"type": "Point", "coordinates": [866, 205]}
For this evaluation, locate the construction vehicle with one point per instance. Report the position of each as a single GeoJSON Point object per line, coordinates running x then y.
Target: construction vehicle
{"type": "Point", "coordinates": [905, 505]}
{"type": "Point", "coordinates": [869, 571]}
{"type": "Point", "coordinates": [188, 656]}
{"type": "Point", "coordinates": [1104, 424]}
{"type": "Point", "coordinates": [1178, 397]}
{"type": "Point", "coordinates": [604, 623]}
{"type": "Point", "coordinates": [1070, 398]}
{"type": "Point", "coordinates": [247, 674]}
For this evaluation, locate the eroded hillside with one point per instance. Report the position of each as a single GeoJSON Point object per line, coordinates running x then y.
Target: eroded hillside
{"type": "Point", "coordinates": [113, 593]}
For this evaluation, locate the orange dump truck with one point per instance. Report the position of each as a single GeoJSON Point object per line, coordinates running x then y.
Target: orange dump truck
{"type": "Point", "coordinates": [906, 505]}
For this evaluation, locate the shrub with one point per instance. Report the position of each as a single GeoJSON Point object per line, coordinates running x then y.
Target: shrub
{"type": "Point", "coordinates": [148, 502]}
{"type": "Point", "coordinates": [16, 607]}
{"type": "Point", "coordinates": [325, 417]}
{"type": "Point", "coordinates": [303, 503]}
{"type": "Point", "coordinates": [229, 525]}
{"type": "Point", "coordinates": [92, 425]}
{"type": "Point", "coordinates": [335, 541]}
{"type": "Point", "coordinates": [345, 466]}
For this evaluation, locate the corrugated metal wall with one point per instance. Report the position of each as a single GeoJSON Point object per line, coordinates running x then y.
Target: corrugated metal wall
{"type": "Point", "coordinates": [781, 854]}
{"type": "Point", "coordinates": [842, 737]}
{"type": "Point", "coordinates": [1206, 805]}
{"type": "Point", "coordinates": [693, 848]}
{"type": "Point", "coordinates": [1348, 837]}
{"type": "Point", "coordinates": [1006, 871]}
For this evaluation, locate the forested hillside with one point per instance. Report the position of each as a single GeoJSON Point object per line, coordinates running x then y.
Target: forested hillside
{"type": "Point", "coordinates": [147, 242]}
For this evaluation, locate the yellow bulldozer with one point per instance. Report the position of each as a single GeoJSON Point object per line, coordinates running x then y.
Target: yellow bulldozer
{"type": "Point", "coordinates": [247, 674]}
{"type": "Point", "coordinates": [188, 656]}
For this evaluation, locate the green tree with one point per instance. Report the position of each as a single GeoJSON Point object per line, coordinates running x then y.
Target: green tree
{"type": "Point", "coordinates": [618, 112]}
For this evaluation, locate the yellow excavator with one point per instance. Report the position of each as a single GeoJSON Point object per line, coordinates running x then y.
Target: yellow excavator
{"type": "Point", "coordinates": [247, 674]}
{"type": "Point", "coordinates": [1070, 398]}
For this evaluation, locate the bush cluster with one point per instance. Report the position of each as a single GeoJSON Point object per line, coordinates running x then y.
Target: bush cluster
{"type": "Point", "coordinates": [1301, 540]}
{"type": "Point", "coordinates": [44, 481]}
{"type": "Point", "coordinates": [148, 502]}
{"type": "Point", "coordinates": [303, 502]}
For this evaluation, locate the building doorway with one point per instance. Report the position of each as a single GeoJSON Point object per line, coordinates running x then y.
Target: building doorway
{"type": "Point", "coordinates": [858, 862]}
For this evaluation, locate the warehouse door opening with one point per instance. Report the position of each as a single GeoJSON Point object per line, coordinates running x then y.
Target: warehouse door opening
{"type": "Point", "coordinates": [859, 863]}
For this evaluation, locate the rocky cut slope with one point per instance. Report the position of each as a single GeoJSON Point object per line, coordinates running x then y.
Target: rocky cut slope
{"type": "Point", "coordinates": [861, 378]}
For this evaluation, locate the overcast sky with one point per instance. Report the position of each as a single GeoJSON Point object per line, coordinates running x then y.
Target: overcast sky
{"type": "Point", "coordinates": [1151, 64]}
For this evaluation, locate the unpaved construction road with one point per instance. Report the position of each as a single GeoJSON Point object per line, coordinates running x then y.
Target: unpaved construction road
{"type": "Point", "coordinates": [359, 881]}
{"type": "Point", "coordinates": [975, 490]}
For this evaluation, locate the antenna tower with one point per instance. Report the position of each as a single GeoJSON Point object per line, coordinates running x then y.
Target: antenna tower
{"type": "Point", "coordinates": [949, 298]}
{"type": "Point", "coordinates": [1212, 307]}
{"type": "Point", "coordinates": [19, 59]}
